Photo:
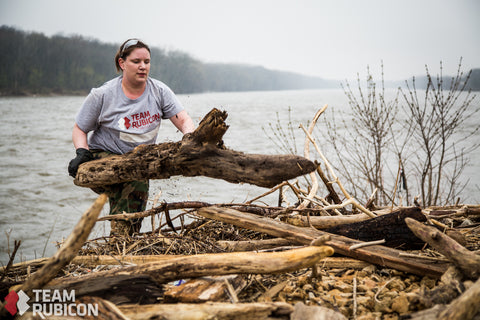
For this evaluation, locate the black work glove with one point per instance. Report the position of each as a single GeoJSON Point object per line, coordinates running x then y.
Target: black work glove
{"type": "Point", "coordinates": [83, 155]}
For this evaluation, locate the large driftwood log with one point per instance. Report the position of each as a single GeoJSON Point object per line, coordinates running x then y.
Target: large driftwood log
{"type": "Point", "coordinates": [201, 265]}
{"type": "Point", "coordinates": [378, 255]}
{"type": "Point", "coordinates": [467, 261]}
{"type": "Point", "coordinates": [200, 153]}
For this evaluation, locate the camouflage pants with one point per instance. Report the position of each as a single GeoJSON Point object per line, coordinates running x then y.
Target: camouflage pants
{"type": "Point", "coordinates": [129, 197]}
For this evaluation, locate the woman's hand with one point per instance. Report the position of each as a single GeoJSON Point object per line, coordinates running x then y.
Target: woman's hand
{"type": "Point", "coordinates": [83, 155]}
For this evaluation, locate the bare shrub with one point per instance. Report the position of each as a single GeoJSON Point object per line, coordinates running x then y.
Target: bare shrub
{"type": "Point", "coordinates": [361, 140]}
{"type": "Point", "coordinates": [423, 139]}
{"type": "Point", "coordinates": [438, 140]}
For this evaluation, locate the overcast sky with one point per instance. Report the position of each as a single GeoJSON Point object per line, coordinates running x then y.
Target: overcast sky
{"type": "Point", "coordinates": [332, 39]}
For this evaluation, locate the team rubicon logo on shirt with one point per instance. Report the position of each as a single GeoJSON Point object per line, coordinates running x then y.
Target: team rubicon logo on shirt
{"type": "Point", "coordinates": [138, 120]}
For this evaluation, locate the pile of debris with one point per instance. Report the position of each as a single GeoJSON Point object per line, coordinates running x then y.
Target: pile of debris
{"type": "Point", "coordinates": [322, 258]}
{"type": "Point", "coordinates": [213, 269]}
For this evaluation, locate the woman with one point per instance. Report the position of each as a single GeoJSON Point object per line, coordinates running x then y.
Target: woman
{"type": "Point", "coordinates": [122, 114]}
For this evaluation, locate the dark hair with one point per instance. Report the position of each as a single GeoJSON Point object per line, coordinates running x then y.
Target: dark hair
{"type": "Point", "coordinates": [126, 48]}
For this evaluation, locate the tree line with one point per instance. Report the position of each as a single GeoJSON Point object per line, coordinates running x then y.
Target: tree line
{"type": "Point", "coordinates": [33, 63]}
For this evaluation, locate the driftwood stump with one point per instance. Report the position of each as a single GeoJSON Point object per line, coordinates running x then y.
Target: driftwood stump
{"type": "Point", "coordinates": [468, 262]}
{"type": "Point", "coordinates": [200, 153]}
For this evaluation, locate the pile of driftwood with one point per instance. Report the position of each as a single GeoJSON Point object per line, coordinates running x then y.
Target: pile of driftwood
{"type": "Point", "coordinates": [323, 258]}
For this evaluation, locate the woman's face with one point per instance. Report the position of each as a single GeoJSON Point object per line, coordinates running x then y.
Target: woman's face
{"type": "Point", "coordinates": [136, 66]}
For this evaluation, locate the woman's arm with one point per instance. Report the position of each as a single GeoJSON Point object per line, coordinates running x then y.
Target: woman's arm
{"type": "Point", "coordinates": [183, 122]}
{"type": "Point", "coordinates": [79, 138]}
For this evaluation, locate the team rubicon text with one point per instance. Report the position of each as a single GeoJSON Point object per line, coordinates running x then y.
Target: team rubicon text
{"type": "Point", "coordinates": [49, 303]}
{"type": "Point", "coordinates": [138, 120]}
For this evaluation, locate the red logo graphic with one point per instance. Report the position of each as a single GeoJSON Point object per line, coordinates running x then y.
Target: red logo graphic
{"type": "Point", "coordinates": [127, 122]}
{"type": "Point", "coordinates": [11, 300]}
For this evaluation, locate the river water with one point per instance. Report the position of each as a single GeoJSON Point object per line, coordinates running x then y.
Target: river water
{"type": "Point", "coordinates": [40, 205]}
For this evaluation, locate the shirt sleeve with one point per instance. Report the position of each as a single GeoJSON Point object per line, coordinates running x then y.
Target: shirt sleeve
{"type": "Point", "coordinates": [88, 115]}
{"type": "Point", "coordinates": [171, 104]}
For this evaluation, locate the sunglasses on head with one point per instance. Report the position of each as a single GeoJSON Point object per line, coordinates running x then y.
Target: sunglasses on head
{"type": "Point", "coordinates": [128, 44]}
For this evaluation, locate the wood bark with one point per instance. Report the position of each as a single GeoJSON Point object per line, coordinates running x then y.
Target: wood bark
{"type": "Point", "coordinates": [333, 195]}
{"type": "Point", "coordinates": [343, 263]}
{"type": "Point", "coordinates": [89, 261]}
{"type": "Point", "coordinates": [21, 267]}
{"type": "Point", "coordinates": [93, 261]}
{"type": "Point", "coordinates": [467, 261]}
{"type": "Point", "coordinates": [203, 265]}
{"type": "Point", "coordinates": [126, 260]}
{"type": "Point", "coordinates": [253, 245]}
{"type": "Point", "coordinates": [441, 303]}
{"type": "Point", "coordinates": [465, 210]}
{"type": "Point", "coordinates": [325, 222]}
{"type": "Point", "coordinates": [447, 289]}
{"type": "Point", "coordinates": [464, 307]}
{"type": "Point", "coordinates": [379, 255]}
{"type": "Point", "coordinates": [427, 314]}
{"type": "Point", "coordinates": [208, 310]}
{"type": "Point", "coordinates": [391, 227]}
{"type": "Point", "coordinates": [200, 153]}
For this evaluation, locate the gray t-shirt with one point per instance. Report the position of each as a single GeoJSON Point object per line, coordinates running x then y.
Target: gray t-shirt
{"type": "Point", "coordinates": [119, 124]}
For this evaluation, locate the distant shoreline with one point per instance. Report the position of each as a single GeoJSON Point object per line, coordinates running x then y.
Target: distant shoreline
{"type": "Point", "coordinates": [32, 94]}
